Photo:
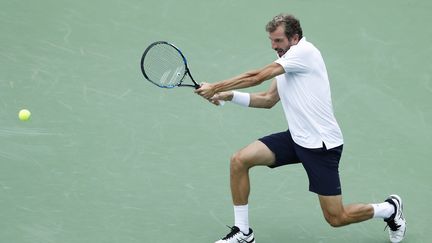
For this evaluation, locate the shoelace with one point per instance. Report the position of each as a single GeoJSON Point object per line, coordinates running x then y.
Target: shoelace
{"type": "Point", "coordinates": [242, 241]}
{"type": "Point", "coordinates": [230, 234]}
{"type": "Point", "coordinates": [392, 225]}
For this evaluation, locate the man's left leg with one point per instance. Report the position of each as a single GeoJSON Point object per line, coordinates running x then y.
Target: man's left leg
{"type": "Point", "coordinates": [336, 214]}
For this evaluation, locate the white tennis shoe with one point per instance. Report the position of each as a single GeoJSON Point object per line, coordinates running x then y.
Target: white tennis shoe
{"type": "Point", "coordinates": [236, 236]}
{"type": "Point", "coordinates": [396, 223]}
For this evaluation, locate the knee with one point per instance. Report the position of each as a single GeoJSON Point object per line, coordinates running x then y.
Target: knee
{"type": "Point", "coordinates": [335, 220]}
{"type": "Point", "coordinates": [238, 162]}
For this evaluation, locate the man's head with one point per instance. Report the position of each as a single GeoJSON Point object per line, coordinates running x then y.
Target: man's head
{"type": "Point", "coordinates": [284, 31]}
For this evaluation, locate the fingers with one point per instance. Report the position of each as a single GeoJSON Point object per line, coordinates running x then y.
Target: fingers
{"type": "Point", "coordinates": [198, 90]}
{"type": "Point", "coordinates": [222, 96]}
{"type": "Point", "coordinates": [206, 90]}
{"type": "Point", "coordinates": [217, 102]}
{"type": "Point", "coordinates": [216, 97]}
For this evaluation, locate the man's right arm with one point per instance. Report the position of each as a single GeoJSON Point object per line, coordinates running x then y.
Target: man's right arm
{"type": "Point", "coordinates": [266, 99]}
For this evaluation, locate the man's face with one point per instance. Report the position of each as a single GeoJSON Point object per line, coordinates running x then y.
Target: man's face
{"type": "Point", "coordinates": [280, 42]}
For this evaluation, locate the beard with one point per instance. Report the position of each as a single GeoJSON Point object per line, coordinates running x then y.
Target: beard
{"type": "Point", "coordinates": [280, 51]}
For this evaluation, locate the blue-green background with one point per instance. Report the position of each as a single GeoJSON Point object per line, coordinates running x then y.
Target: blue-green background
{"type": "Point", "coordinates": [109, 158]}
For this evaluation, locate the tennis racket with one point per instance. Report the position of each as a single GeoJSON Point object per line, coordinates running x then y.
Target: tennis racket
{"type": "Point", "coordinates": [165, 66]}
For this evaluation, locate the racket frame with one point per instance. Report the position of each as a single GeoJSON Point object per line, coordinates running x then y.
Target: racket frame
{"type": "Point", "coordinates": [187, 72]}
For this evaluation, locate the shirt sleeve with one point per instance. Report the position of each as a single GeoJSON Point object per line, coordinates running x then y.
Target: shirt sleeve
{"type": "Point", "coordinates": [293, 61]}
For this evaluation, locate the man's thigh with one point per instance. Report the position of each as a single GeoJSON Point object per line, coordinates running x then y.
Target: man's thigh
{"type": "Point", "coordinates": [282, 147]}
{"type": "Point", "coordinates": [331, 206]}
{"type": "Point", "coordinates": [256, 153]}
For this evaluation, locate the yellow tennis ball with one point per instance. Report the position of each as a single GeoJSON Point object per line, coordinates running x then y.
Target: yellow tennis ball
{"type": "Point", "coordinates": [24, 115]}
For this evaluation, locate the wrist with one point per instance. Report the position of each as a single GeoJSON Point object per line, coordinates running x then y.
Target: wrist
{"type": "Point", "coordinates": [240, 98]}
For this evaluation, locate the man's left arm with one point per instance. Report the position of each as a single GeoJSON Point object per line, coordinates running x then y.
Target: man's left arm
{"type": "Point", "coordinates": [245, 80]}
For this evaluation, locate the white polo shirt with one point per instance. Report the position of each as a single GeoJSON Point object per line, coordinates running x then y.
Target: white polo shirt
{"type": "Point", "coordinates": [304, 91]}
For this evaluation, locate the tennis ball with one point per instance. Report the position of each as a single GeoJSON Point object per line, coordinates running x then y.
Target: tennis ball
{"type": "Point", "coordinates": [24, 114]}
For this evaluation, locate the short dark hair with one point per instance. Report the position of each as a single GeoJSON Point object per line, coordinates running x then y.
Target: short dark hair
{"type": "Point", "coordinates": [291, 24]}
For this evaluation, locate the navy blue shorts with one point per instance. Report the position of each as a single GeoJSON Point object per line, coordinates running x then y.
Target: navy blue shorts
{"type": "Point", "coordinates": [321, 164]}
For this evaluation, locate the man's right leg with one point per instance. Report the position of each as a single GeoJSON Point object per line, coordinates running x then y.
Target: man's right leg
{"type": "Point", "coordinates": [256, 153]}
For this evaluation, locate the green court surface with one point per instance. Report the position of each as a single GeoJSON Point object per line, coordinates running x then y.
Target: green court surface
{"type": "Point", "coordinates": [108, 157]}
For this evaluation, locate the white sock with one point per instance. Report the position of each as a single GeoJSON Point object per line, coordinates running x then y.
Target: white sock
{"type": "Point", "coordinates": [241, 218]}
{"type": "Point", "coordinates": [383, 210]}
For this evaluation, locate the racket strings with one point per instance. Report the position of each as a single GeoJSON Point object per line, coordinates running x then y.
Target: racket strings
{"type": "Point", "coordinates": [164, 65]}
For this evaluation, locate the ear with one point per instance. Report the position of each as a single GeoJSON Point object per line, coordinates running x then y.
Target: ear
{"type": "Point", "coordinates": [295, 39]}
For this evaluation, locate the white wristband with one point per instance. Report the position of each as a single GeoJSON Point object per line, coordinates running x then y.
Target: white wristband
{"type": "Point", "coordinates": [241, 98]}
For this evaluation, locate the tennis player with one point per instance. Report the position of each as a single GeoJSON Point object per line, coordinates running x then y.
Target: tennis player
{"type": "Point", "coordinates": [313, 139]}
